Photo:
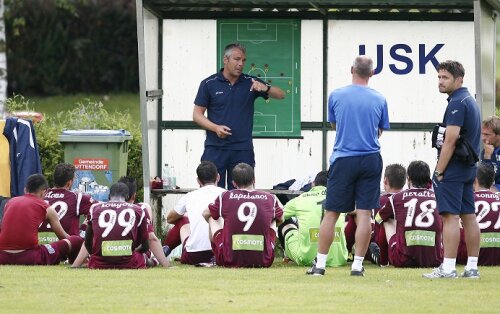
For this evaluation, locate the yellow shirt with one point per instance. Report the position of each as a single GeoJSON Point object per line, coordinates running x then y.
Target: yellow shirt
{"type": "Point", "coordinates": [4, 163]}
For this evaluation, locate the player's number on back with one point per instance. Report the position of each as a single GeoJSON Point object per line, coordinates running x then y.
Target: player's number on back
{"type": "Point", "coordinates": [61, 208]}
{"type": "Point", "coordinates": [482, 210]}
{"type": "Point", "coordinates": [248, 217]}
{"type": "Point", "coordinates": [108, 219]}
{"type": "Point", "coordinates": [423, 220]}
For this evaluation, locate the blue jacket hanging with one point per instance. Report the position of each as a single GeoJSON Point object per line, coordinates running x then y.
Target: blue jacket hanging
{"type": "Point", "coordinates": [24, 156]}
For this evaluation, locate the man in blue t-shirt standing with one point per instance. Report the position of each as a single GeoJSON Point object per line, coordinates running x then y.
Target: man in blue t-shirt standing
{"type": "Point", "coordinates": [358, 113]}
{"type": "Point", "coordinates": [454, 178]}
{"type": "Point", "coordinates": [228, 98]}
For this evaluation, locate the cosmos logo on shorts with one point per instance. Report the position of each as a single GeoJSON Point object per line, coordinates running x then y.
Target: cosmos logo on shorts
{"type": "Point", "coordinates": [50, 248]}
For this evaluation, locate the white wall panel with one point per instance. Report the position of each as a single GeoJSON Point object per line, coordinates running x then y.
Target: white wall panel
{"type": "Point", "coordinates": [311, 70]}
{"type": "Point", "coordinates": [279, 160]}
{"type": "Point", "coordinates": [183, 150]}
{"type": "Point", "coordinates": [189, 55]}
{"type": "Point", "coordinates": [412, 96]}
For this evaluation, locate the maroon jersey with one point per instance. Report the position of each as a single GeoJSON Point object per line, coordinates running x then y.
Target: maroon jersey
{"type": "Point", "coordinates": [384, 198]}
{"type": "Point", "coordinates": [69, 207]}
{"type": "Point", "coordinates": [21, 218]}
{"type": "Point", "coordinates": [247, 233]}
{"type": "Point", "coordinates": [418, 226]}
{"type": "Point", "coordinates": [488, 217]}
{"type": "Point", "coordinates": [118, 229]}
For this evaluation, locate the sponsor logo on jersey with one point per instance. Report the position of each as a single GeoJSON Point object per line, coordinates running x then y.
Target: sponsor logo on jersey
{"type": "Point", "coordinates": [116, 248]}
{"type": "Point", "coordinates": [420, 238]}
{"type": "Point", "coordinates": [47, 237]}
{"type": "Point", "coordinates": [248, 242]}
{"type": "Point", "coordinates": [490, 240]}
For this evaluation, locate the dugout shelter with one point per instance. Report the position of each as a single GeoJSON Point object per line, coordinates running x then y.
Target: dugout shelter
{"type": "Point", "coordinates": [306, 48]}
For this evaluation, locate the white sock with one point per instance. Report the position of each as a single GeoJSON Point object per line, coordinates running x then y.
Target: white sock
{"type": "Point", "coordinates": [321, 260]}
{"type": "Point", "coordinates": [449, 264]}
{"type": "Point", "coordinates": [357, 263]}
{"type": "Point", "coordinates": [471, 263]}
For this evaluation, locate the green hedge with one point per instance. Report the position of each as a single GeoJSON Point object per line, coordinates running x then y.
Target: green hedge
{"type": "Point", "coordinates": [86, 115]}
{"type": "Point", "coordinates": [68, 46]}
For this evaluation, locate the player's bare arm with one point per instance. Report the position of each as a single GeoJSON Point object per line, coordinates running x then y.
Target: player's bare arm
{"type": "Point", "coordinates": [156, 249]}
{"type": "Point", "coordinates": [206, 214]}
{"type": "Point", "coordinates": [199, 118]}
{"type": "Point", "coordinates": [173, 216]}
{"type": "Point", "coordinates": [81, 258]}
{"type": "Point", "coordinates": [53, 219]}
{"type": "Point", "coordinates": [448, 148]}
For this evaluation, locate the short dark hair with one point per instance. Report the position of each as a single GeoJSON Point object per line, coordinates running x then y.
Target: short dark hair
{"type": "Point", "coordinates": [63, 173]}
{"type": "Point", "coordinates": [321, 178]}
{"type": "Point", "coordinates": [243, 174]}
{"type": "Point", "coordinates": [485, 175]}
{"type": "Point", "coordinates": [228, 50]}
{"type": "Point", "coordinates": [131, 185]}
{"type": "Point", "coordinates": [419, 173]}
{"type": "Point", "coordinates": [119, 190]}
{"type": "Point", "coordinates": [396, 175]}
{"type": "Point", "coordinates": [35, 183]}
{"type": "Point", "coordinates": [454, 67]}
{"type": "Point", "coordinates": [206, 172]}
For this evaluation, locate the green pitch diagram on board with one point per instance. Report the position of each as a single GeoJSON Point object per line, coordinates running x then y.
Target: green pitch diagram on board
{"type": "Point", "coordinates": [273, 55]}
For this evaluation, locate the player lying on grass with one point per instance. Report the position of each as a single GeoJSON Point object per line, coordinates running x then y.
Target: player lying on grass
{"type": "Point", "coordinates": [19, 230]}
{"type": "Point", "coordinates": [246, 234]}
{"type": "Point", "coordinates": [117, 234]}
{"type": "Point", "coordinates": [190, 228]}
{"type": "Point", "coordinates": [412, 223]}
{"type": "Point", "coordinates": [298, 234]}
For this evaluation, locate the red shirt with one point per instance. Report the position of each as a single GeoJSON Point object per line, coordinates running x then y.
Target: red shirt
{"type": "Point", "coordinates": [21, 218]}
{"type": "Point", "coordinates": [69, 207]}
{"type": "Point", "coordinates": [248, 216]}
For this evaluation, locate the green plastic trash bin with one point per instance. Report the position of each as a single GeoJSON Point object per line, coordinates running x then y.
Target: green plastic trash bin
{"type": "Point", "coordinates": [100, 158]}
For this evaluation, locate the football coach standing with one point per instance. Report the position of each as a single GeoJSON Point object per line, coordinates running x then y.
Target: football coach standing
{"type": "Point", "coordinates": [228, 97]}
{"type": "Point", "coordinates": [358, 113]}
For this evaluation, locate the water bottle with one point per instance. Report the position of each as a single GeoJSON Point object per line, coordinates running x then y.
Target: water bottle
{"type": "Point", "coordinates": [166, 177]}
{"type": "Point", "coordinates": [173, 179]}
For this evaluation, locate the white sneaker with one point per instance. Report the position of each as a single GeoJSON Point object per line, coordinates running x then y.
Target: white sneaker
{"type": "Point", "coordinates": [440, 273]}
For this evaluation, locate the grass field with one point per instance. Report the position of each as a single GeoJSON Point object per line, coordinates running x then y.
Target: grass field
{"type": "Point", "coordinates": [280, 289]}
{"type": "Point", "coordinates": [112, 102]}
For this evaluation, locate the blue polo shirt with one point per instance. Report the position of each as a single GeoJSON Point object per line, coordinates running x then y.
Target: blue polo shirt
{"type": "Point", "coordinates": [230, 105]}
{"type": "Point", "coordinates": [359, 112]}
{"type": "Point", "coordinates": [463, 111]}
{"type": "Point", "coordinates": [495, 162]}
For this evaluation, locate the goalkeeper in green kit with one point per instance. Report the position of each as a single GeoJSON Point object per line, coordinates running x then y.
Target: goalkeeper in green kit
{"type": "Point", "coordinates": [299, 232]}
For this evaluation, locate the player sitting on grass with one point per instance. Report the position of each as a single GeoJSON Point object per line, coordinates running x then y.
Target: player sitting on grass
{"type": "Point", "coordinates": [115, 230]}
{"type": "Point", "coordinates": [70, 206]}
{"type": "Point", "coordinates": [191, 229]}
{"type": "Point", "coordinates": [412, 223]}
{"type": "Point", "coordinates": [19, 229]}
{"type": "Point", "coordinates": [152, 256]}
{"type": "Point", "coordinates": [246, 235]}
{"type": "Point", "coordinates": [298, 234]}
{"type": "Point", "coordinates": [488, 217]}
{"type": "Point", "coordinates": [394, 181]}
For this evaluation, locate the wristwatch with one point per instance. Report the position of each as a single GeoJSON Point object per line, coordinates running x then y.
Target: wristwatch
{"type": "Point", "coordinates": [268, 88]}
{"type": "Point", "coordinates": [438, 174]}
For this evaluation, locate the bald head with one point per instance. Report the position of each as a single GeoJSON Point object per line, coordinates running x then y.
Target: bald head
{"type": "Point", "coordinates": [363, 67]}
